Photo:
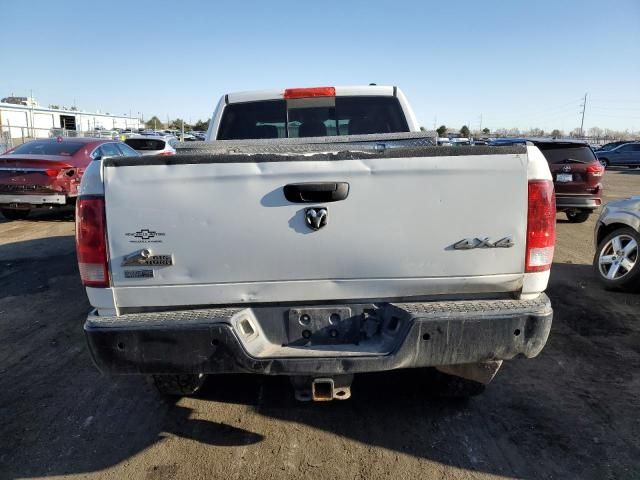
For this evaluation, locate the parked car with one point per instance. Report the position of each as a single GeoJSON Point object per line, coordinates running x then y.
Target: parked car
{"type": "Point", "coordinates": [625, 155]}
{"type": "Point", "coordinates": [314, 258]}
{"type": "Point", "coordinates": [47, 173]}
{"type": "Point", "coordinates": [198, 135]}
{"type": "Point", "coordinates": [609, 146]}
{"type": "Point", "coordinates": [617, 239]}
{"type": "Point", "coordinates": [577, 177]}
{"type": "Point", "coordinates": [153, 145]}
{"type": "Point", "coordinates": [102, 133]}
{"type": "Point", "coordinates": [577, 174]}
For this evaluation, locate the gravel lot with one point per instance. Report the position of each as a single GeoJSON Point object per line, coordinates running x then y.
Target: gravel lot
{"type": "Point", "coordinates": [573, 412]}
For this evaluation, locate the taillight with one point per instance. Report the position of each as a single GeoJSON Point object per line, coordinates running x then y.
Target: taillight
{"type": "Point", "coordinates": [309, 92]}
{"type": "Point", "coordinates": [595, 169]}
{"type": "Point", "coordinates": [166, 152]}
{"type": "Point", "coordinates": [541, 226]}
{"type": "Point", "coordinates": [91, 242]}
{"type": "Point", "coordinates": [52, 172]}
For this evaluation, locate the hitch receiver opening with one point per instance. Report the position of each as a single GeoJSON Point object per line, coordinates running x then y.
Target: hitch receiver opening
{"type": "Point", "coordinates": [322, 389]}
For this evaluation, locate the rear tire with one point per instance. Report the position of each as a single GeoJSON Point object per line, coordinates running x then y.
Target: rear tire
{"type": "Point", "coordinates": [14, 213]}
{"type": "Point", "coordinates": [179, 385]}
{"type": "Point", "coordinates": [603, 263]}
{"type": "Point", "coordinates": [580, 216]}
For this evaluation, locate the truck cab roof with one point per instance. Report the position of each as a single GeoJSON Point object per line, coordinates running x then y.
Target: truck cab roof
{"type": "Point", "coordinates": [339, 91]}
{"type": "Point", "coordinates": [311, 112]}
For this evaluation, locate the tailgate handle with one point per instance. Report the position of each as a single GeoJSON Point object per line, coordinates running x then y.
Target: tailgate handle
{"type": "Point", "coordinates": [316, 192]}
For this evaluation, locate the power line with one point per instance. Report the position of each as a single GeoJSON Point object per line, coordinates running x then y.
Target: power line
{"type": "Point", "coordinates": [563, 106]}
{"type": "Point", "coordinates": [634, 109]}
{"type": "Point", "coordinates": [614, 101]}
{"type": "Point", "coordinates": [616, 116]}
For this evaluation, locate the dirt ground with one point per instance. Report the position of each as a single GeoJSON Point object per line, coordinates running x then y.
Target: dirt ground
{"type": "Point", "coordinates": [572, 412]}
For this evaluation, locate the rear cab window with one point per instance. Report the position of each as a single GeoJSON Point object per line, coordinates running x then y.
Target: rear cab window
{"type": "Point", "coordinates": [48, 147]}
{"type": "Point", "coordinates": [312, 117]}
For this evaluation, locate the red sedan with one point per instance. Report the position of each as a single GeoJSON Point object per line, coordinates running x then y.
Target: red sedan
{"type": "Point", "coordinates": [47, 173]}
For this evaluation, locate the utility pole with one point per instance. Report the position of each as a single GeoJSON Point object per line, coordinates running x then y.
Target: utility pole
{"type": "Point", "coordinates": [480, 123]}
{"type": "Point", "coordinates": [584, 107]}
{"type": "Point", "coordinates": [31, 102]}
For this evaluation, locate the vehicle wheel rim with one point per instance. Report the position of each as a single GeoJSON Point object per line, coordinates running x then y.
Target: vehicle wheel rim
{"type": "Point", "coordinates": [603, 163]}
{"type": "Point", "coordinates": [618, 257]}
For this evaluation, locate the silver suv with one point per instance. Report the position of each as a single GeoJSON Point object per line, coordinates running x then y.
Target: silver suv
{"type": "Point", "coordinates": [617, 239]}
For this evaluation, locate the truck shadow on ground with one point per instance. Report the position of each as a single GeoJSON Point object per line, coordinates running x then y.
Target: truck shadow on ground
{"type": "Point", "coordinates": [565, 414]}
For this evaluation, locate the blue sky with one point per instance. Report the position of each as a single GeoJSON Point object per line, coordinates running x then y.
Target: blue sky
{"type": "Point", "coordinates": [516, 63]}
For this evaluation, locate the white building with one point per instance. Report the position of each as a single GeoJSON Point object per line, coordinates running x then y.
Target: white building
{"type": "Point", "coordinates": [33, 121]}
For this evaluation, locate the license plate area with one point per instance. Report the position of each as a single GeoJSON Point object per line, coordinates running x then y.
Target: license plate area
{"type": "Point", "coordinates": [322, 326]}
{"type": "Point", "coordinates": [564, 178]}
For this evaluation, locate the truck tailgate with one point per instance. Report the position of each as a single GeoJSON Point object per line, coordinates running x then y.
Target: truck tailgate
{"type": "Point", "coordinates": [232, 237]}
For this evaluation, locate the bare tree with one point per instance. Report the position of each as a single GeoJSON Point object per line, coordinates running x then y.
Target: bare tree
{"type": "Point", "coordinates": [557, 133]}
{"type": "Point", "coordinates": [595, 132]}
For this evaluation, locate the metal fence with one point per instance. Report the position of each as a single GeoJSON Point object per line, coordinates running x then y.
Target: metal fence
{"type": "Point", "coordinates": [11, 136]}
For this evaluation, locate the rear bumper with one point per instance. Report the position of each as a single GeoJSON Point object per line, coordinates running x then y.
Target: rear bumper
{"type": "Point", "coordinates": [390, 336]}
{"type": "Point", "coordinates": [577, 201]}
{"type": "Point", "coordinates": [21, 200]}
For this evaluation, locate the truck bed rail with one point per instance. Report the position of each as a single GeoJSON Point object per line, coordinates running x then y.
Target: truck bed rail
{"type": "Point", "coordinates": [354, 147]}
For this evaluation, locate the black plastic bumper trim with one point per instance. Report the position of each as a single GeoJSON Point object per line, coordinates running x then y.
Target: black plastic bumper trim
{"type": "Point", "coordinates": [577, 202]}
{"type": "Point", "coordinates": [435, 337]}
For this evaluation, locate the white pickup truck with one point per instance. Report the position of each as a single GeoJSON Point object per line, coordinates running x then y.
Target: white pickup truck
{"type": "Point", "coordinates": [318, 234]}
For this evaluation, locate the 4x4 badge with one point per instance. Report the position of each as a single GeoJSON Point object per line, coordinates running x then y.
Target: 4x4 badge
{"type": "Point", "coordinates": [470, 243]}
{"type": "Point", "coordinates": [316, 217]}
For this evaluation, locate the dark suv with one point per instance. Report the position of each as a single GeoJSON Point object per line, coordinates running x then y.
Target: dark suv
{"type": "Point", "coordinates": [577, 175]}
